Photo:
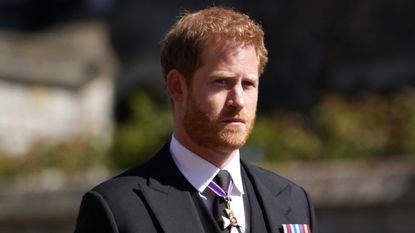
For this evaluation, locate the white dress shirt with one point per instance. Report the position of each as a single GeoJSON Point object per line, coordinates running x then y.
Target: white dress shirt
{"type": "Point", "coordinates": [200, 172]}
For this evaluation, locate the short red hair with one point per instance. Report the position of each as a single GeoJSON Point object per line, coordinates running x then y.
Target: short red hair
{"type": "Point", "coordinates": [183, 45]}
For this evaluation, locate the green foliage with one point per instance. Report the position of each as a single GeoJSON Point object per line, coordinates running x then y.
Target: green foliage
{"type": "Point", "coordinates": [136, 140]}
{"type": "Point", "coordinates": [69, 158]}
{"type": "Point", "coordinates": [7, 166]}
{"type": "Point", "coordinates": [406, 103]}
{"type": "Point", "coordinates": [366, 126]}
{"type": "Point", "coordinates": [285, 137]}
{"type": "Point", "coordinates": [353, 128]}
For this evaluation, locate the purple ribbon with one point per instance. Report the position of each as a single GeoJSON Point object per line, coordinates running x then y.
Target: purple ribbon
{"type": "Point", "coordinates": [215, 188]}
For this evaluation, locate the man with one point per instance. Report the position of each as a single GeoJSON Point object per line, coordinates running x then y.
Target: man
{"type": "Point", "coordinates": [211, 61]}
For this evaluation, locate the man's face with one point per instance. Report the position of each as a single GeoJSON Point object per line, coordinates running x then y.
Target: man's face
{"type": "Point", "coordinates": [221, 103]}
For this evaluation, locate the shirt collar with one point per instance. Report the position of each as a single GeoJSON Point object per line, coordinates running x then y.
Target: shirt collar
{"type": "Point", "coordinates": [200, 172]}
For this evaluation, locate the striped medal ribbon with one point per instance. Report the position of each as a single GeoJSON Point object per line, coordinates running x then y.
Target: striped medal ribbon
{"type": "Point", "coordinates": [215, 188]}
{"type": "Point", "coordinates": [295, 228]}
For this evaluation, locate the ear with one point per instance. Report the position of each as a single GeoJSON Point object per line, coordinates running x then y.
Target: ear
{"type": "Point", "coordinates": [176, 85]}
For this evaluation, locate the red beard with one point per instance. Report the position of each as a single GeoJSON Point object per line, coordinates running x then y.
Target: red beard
{"type": "Point", "coordinates": [211, 131]}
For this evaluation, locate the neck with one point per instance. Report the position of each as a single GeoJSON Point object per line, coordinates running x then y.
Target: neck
{"type": "Point", "coordinates": [219, 159]}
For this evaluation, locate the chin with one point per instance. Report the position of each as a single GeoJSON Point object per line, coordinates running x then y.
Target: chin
{"type": "Point", "coordinates": [232, 141]}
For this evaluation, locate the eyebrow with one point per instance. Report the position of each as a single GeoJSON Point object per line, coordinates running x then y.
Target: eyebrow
{"type": "Point", "coordinates": [227, 74]}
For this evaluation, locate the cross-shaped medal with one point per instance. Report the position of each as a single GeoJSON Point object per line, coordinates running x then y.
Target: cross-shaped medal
{"type": "Point", "coordinates": [230, 220]}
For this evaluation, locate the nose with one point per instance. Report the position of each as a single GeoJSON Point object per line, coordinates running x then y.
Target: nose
{"type": "Point", "coordinates": [236, 97]}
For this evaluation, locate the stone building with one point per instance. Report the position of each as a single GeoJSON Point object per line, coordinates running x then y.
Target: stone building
{"type": "Point", "coordinates": [55, 85]}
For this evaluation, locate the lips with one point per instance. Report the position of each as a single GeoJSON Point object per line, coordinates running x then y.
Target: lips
{"type": "Point", "coordinates": [235, 120]}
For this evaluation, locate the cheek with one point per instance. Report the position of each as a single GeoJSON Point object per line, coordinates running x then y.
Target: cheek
{"type": "Point", "coordinates": [215, 103]}
{"type": "Point", "coordinates": [251, 102]}
{"type": "Point", "coordinates": [206, 101]}
{"type": "Point", "coordinates": [208, 98]}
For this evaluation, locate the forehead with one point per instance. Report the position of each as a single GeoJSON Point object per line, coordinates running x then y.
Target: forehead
{"type": "Point", "coordinates": [213, 51]}
{"type": "Point", "coordinates": [230, 54]}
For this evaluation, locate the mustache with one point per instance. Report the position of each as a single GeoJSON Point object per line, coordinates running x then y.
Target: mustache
{"type": "Point", "coordinates": [232, 113]}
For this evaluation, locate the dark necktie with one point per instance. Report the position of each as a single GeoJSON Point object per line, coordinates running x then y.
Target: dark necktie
{"type": "Point", "coordinates": [219, 203]}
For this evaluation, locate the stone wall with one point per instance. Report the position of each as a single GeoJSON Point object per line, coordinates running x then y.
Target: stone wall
{"type": "Point", "coordinates": [55, 85]}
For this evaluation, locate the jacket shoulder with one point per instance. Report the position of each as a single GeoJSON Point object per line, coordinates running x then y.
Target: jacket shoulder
{"type": "Point", "coordinates": [271, 179]}
{"type": "Point", "coordinates": [127, 180]}
{"type": "Point", "coordinates": [133, 177]}
{"type": "Point", "coordinates": [118, 203]}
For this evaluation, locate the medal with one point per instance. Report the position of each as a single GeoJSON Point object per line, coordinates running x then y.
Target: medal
{"type": "Point", "coordinates": [230, 218]}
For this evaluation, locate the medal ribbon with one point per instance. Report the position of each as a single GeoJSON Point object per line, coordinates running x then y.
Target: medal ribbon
{"type": "Point", "coordinates": [215, 188]}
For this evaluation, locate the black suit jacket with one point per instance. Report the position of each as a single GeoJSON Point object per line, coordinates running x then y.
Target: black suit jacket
{"type": "Point", "coordinates": [155, 197]}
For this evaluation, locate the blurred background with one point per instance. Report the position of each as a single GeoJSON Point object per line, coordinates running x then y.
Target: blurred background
{"type": "Point", "coordinates": [82, 98]}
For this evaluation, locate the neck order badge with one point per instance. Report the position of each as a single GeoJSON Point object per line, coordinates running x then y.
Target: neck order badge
{"type": "Point", "coordinates": [230, 219]}
{"type": "Point", "coordinates": [295, 228]}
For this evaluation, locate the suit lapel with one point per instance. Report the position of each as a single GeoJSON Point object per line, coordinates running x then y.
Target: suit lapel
{"type": "Point", "coordinates": [273, 199]}
{"type": "Point", "coordinates": [168, 195]}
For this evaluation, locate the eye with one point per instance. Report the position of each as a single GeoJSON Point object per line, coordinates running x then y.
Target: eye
{"type": "Point", "coordinates": [221, 81]}
{"type": "Point", "coordinates": [247, 84]}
